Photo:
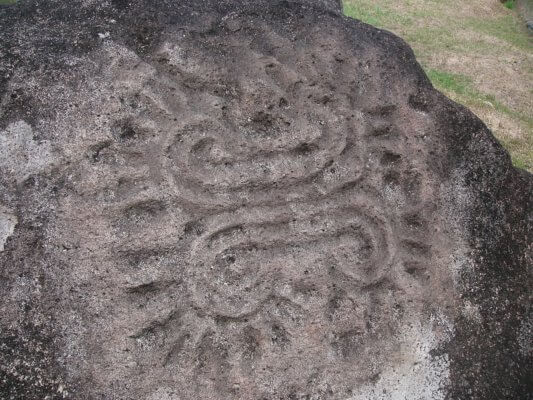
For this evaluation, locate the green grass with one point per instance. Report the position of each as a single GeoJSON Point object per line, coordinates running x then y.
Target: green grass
{"type": "Point", "coordinates": [504, 28]}
{"type": "Point", "coordinates": [446, 81]}
{"type": "Point", "coordinates": [509, 4]}
{"type": "Point", "coordinates": [438, 30]}
{"type": "Point", "coordinates": [520, 155]}
{"type": "Point", "coordinates": [4, 2]}
{"type": "Point", "coordinates": [374, 15]}
{"type": "Point", "coordinates": [461, 88]}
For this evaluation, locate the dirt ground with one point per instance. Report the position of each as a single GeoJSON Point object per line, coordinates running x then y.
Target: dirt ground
{"type": "Point", "coordinates": [479, 53]}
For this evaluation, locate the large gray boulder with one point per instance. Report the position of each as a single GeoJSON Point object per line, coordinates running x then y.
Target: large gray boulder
{"type": "Point", "coordinates": [248, 200]}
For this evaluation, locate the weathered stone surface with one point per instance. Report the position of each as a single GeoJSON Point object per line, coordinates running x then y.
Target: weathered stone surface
{"type": "Point", "coordinates": [248, 200]}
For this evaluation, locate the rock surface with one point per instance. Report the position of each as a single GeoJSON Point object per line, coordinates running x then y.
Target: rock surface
{"type": "Point", "coordinates": [248, 200]}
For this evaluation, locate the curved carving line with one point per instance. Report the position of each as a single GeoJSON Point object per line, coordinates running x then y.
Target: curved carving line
{"type": "Point", "coordinates": [235, 263]}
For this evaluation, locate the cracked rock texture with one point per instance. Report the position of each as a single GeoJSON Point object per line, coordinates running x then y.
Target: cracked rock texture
{"type": "Point", "coordinates": [248, 200]}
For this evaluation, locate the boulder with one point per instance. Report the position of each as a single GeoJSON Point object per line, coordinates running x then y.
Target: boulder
{"type": "Point", "coordinates": [248, 200]}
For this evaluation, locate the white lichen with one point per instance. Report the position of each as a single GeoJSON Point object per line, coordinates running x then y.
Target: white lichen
{"type": "Point", "coordinates": [413, 372]}
{"type": "Point", "coordinates": [8, 222]}
{"type": "Point", "coordinates": [21, 154]}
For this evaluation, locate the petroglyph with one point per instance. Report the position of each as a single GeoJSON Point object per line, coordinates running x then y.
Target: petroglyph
{"type": "Point", "coordinates": [245, 224]}
{"type": "Point", "coordinates": [248, 216]}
